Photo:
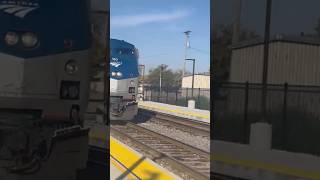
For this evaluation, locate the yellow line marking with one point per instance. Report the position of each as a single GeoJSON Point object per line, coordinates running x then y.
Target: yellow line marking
{"type": "Point", "coordinates": [189, 113]}
{"type": "Point", "coordinates": [144, 170]}
{"type": "Point", "coordinates": [119, 167]}
{"type": "Point", "coordinates": [267, 166]}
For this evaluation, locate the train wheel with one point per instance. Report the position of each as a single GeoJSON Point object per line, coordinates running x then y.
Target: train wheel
{"type": "Point", "coordinates": [75, 116]}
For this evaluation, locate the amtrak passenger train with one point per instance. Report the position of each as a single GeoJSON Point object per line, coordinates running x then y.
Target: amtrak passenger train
{"type": "Point", "coordinates": [44, 60]}
{"type": "Point", "coordinates": [124, 75]}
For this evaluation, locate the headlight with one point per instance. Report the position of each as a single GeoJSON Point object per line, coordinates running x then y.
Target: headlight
{"type": "Point", "coordinates": [11, 38]}
{"type": "Point", "coordinates": [116, 74]}
{"type": "Point", "coordinates": [29, 39]}
{"type": "Point", "coordinates": [119, 74]}
{"type": "Point", "coordinates": [71, 67]}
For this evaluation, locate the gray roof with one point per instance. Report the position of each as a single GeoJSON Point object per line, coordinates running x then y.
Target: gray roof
{"type": "Point", "coordinates": [315, 41]}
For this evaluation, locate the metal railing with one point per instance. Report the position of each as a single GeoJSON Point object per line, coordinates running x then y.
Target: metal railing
{"type": "Point", "coordinates": [293, 110]}
{"type": "Point", "coordinates": [178, 96]}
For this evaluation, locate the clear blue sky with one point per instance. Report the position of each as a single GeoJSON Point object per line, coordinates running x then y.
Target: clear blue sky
{"type": "Point", "coordinates": [156, 29]}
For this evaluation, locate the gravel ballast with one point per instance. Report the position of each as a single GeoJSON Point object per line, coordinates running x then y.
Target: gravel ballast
{"type": "Point", "coordinates": [200, 142]}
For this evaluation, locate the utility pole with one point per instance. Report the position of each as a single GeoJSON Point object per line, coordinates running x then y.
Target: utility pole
{"type": "Point", "coordinates": [142, 70]}
{"type": "Point", "coordinates": [265, 62]}
{"type": "Point", "coordinates": [187, 45]}
{"type": "Point", "coordinates": [160, 82]}
{"type": "Point", "coordinates": [193, 68]}
{"type": "Point", "coordinates": [261, 131]}
{"type": "Point", "coordinates": [236, 21]}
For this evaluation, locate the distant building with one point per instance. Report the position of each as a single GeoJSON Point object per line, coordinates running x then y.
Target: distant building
{"type": "Point", "coordinates": [292, 60]}
{"type": "Point", "coordinates": [295, 60]}
{"type": "Point", "coordinates": [200, 81]}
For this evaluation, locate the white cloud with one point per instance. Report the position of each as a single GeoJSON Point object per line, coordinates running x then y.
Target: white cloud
{"type": "Point", "coordinates": [136, 20]}
{"type": "Point", "coordinates": [174, 28]}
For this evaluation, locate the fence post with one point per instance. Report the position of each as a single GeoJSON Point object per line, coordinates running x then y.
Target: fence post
{"type": "Point", "coordinates": [284, 121]}
{"type": "Point", "coordinates": [143, 94]}
{"type": "Point", "coordinates": [150, 95]}
{"type": "Point", "coordinates": [159, 96]}
{"type": "Point", "coordinates": [187, 97]}
{"type": "Point", "coordinates": [245, 118]}
{"type": "Point", "coordinates": [199, 98]}
{"type": "Point", "coordinates": [176, 97]}
{"type": "Point", "coordinates": [167, 95]}
{"type": "Point", "coordinates": [147, 97]}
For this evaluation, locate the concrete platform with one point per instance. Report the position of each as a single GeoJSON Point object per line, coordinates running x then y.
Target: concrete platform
{"type": "Point", "coordinates": [126, 163]}
{"type": "Point", "coordinates": [118, 171]}
{"type": "Point", "coordinates": [196, 114]}
{"type": "Point", "coordinates": [243, 161]}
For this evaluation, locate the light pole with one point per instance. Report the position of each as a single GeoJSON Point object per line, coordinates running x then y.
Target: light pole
{"type": "Point", "coordinates": [193, 67]}
{"type": "Point", "coordinates": [236, 21]}
{"type": "Point", "coordinates": [261, 131]}
{"type": "Point", "coordinates": [187, 45]}
{"type": "Point", "coordinates": [265, 62]}
{"type": "Point", "coordinates": [142, 69]}
{"type": "Point", "coordinates": [160, 81]}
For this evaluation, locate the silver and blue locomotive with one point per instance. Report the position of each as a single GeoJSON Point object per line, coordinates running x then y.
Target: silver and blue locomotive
{"type": "Point", "coordinates": [124, 74]}
{"type": "Point", "coordinates": [44, 61]}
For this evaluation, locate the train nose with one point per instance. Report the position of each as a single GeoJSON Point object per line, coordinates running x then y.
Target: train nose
{"type": "Point", "coordinates": [30, 76]}
{"type": "Point", "coordinates": [11, 77]}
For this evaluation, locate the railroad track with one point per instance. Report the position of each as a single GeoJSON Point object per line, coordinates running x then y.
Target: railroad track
{"type": "Point", "coordinates": [188, 161]}
{"type": "Point", "coordinates": [184, 124]}
{"type": "Point", "coordinates": [217, 176]}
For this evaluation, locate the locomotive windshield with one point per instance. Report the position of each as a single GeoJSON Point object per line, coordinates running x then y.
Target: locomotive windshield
{"type": "Point", "coordinates": [125, 51]}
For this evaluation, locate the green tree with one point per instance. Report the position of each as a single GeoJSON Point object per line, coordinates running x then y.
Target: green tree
{"type": "Point", "coordinates": [169, 78]}
{"type": "Point", "coordinates": [317, 28]}
{"type": "Point", "coordinates": [222, 43]}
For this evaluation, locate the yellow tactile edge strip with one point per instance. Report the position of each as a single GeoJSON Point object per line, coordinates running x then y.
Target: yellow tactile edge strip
{"type": "Point", "coordinates": [127, 157]}
{"type": "Point", "coordinates": [186, 113]}
{"type": "Point", "coordinates": [119, 167]}
{"type": "Point", "coordinates": [266, 166]}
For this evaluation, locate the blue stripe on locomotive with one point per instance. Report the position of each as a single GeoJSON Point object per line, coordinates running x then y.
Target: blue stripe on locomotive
{"type": "Point", "coordinates": [54, 21]}
{"type": "Point", "coordinates": [129, 63]}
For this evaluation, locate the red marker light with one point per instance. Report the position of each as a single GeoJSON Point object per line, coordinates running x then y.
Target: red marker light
{"type": "Point", "coordinates": [68, 44]}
